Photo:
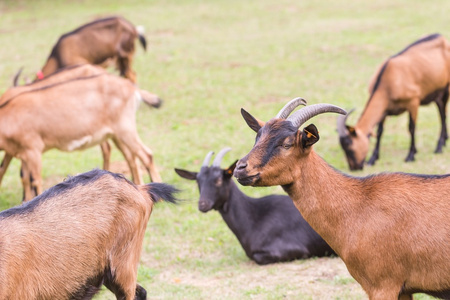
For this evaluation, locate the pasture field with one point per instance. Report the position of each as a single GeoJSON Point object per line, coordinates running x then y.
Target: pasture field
{"type": "Point", "coordinates": [207, 59]}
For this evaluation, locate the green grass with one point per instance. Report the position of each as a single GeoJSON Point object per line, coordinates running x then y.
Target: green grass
{"type": "Point", "coordinates": [207, 59]}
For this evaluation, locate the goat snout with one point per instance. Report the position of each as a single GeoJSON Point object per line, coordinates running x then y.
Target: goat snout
{"type": "Point", "coordinates": [242, 174]}
{"type": "Point", "coordinates": [204, 206]}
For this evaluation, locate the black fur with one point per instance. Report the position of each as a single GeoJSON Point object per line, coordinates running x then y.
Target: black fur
{"type": "Point", "coordinates": [60, 188]}
{"type": "Point", "coordinates": [274, 137]}
{"type": "Point", "coordinates": [89, 288]}
{"type": "Point", "coordinates": [162, 191]}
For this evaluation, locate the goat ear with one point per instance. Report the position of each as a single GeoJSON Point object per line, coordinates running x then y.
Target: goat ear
{"type": "Point", "coordinates": [310, 136]}
{"type": "Point", "coordinates": [252, 122]}
{"type": "Point", "coordinates": [229, 172]}
{"type": "Point", "coordinates": [351, 130]}
{"type": "Point", "coordinates": [186, 174]}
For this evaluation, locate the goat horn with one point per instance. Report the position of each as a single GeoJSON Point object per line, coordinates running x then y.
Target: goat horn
{"type": "Point", "coordinates": [289, 107]}
{"type": "Point", "coordinates": [341, 124]}
{"type": "Point", "coordinates": [301, 116]}
{"type": "Point", "coordinates": [207, 159]}
{"type": "Point", "coordinates": [16, 77]}
{"type": "Point", "coordinates": [219, 157]}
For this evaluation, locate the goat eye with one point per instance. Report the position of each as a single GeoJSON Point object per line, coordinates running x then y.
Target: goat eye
{"type": "Point", "coordinates": [287, 146]}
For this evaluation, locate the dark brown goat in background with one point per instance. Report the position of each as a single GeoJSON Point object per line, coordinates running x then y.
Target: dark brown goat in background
{"type": "Point", "coordinates": [77, 236]}
{"type": "Point", "coordinates": [391, 230]}
{"type": "Point", "coordinates": [97, 43]}
{"type": "Point", "coordinates": [418, 75]}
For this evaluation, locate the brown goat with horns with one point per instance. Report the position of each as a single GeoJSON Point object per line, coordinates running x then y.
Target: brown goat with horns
{"type": "Point", "coordinates": [391, 230]}
{"type": "Point", "coordinates": [418, 75]}
{"type": "Point", "coordinates": [77, 236]}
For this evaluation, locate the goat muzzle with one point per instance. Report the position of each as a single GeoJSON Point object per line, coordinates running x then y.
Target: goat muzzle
{"type": "Point", "coordinates": [242, 175]}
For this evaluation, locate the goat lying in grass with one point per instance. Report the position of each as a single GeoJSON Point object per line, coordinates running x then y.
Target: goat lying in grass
{"type": "Point", "coordinates": [77, 236]}
{"type": "Point", "coordinates": [391, 230]}
{"type": "Point", "coordinates": [270, 229]}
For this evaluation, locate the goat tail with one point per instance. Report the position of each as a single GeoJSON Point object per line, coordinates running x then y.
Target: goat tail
{"type": "Point", "coordinates": [142, 40]}
{"type": "Point", "coordinates": [162, 192]}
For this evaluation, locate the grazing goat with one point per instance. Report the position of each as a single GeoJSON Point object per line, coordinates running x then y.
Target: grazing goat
{"type": "Point", "coordinates": [81, 234]}
{"type": "Point", "coordinates": [391, 230]}
{"type": "Point", "coordinates": [69, 115]}
{"type": "Point", "coordinates": [96, 43]}
{"type": "Point", "coordinates": [270, 229]}
{"type": "Point", "coordinates": [416, 76]}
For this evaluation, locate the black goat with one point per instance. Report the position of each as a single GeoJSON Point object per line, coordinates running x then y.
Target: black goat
{"type": "Point", "coordinates": [270, 229]}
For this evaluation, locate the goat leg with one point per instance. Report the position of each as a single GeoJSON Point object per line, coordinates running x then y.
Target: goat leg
{"type": "Point", "coordinates": [31, 174]}
{"type": "Point", "coordinates": [376, 151]}
{"type": "Point", "coordinates": [4, 165]}
{"type": "Point", "coordinates": [132, 162]}
{"type": "Point", "coordinates": [141, 293]}
{"type": "Point", "coordinates": [441, 104]}
{"type": "Point", "coordinates": [106, 153]}
{"type": "Point", "coordinates": [145, 155]}
{"type": "Point", "coordinates": [412, 128]}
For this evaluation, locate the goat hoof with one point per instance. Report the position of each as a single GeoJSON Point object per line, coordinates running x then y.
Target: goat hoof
{"type": "Point", "coordinates": [371, 162]}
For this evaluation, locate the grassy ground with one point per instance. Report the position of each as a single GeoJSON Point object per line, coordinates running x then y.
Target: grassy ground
{"type": "Point", "coordinates": [208, 59]}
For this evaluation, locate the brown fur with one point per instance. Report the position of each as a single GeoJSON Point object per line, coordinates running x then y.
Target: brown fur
{"type": "Point", "coordinates": [417, 76]}
{"type": "Point", "coordinates": [82, 113]}
{"type": "Point", "coordinates": [97, 43]}
{"type": "Point", "coordinates": [76, 236]}
{"type": "Point", "coordinates": [391, 230]}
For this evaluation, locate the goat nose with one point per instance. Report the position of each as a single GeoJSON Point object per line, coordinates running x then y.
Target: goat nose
{"type": "Point", "coordinates": [241, 165]}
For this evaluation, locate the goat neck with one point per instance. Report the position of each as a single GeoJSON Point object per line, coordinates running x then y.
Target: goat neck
{"type": "Point", "coordinates": [315, 185]}
{"type": "Point", "coordinates": [373, 113]}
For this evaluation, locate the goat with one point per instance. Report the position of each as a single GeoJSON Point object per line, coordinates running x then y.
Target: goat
{"type": "Point", "coordinates": [69, 115]}
{"type": "Point", "coordinates": [270, 229]}
{"type": "Point", "coordinates": [97, 43]}
{"type": "Point", "coordinates": [391, 230]}
{"type": "Point", "coordinates": [81, 234]}
{"type": "Point", "coordinates": [61, 76]}
{"type": "Point", "coordinates": [418, 75]}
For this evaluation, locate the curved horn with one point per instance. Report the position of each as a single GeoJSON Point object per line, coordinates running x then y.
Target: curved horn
{"type": "Point", "coordinates": [301, 116]}
{"type": "Point", "coordinates": [219, 157]}
{"type": "Point", "coordinates": [341, 124]}
{"type": "Point", "coordinates": [207, 159]}
{"type": "Point", "coordinates": [16, 77]}
{"type": "Point", "coordinates": [289, 107]}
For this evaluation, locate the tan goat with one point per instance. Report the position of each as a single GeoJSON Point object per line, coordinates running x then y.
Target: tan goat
{"type": "Point", "coordinates": [77, 236]}
{"type": "Point", "coordinates": [418, 75]}
{"type": "Point", "coordinates": [72, 115]}
{"type": "Point", "coordinates": [391, 230]}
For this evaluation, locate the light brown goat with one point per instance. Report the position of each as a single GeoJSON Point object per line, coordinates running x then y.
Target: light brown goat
{"type": "Point", "coordinates": [391, 230]}
{"type": "Point", "coordinates": [418, 75]}
{"type": "Point", "coordinates": [71, 115]}
{"type": "Point", "coordinates": [97, 43]}
{"type": "Point", "coordinates": [61, 76]}
{"type": "Point", "coordinates": [77, 236]}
